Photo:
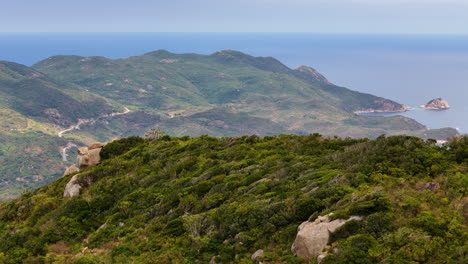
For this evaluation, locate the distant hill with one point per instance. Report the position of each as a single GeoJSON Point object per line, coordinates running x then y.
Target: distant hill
{"type": "Point", "coordinates": [227, 93]}
{"type": "Point", "coordinates": [181, 85]}
{"type": "Point", "coordinates": [33, 107]}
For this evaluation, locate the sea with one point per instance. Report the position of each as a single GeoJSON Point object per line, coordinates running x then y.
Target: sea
{"type": "Point", "coordinates": [409, 69]}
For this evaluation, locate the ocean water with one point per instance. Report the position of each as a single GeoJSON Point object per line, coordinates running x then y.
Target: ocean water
{"type": "Point", "coordinates": [408, 69]}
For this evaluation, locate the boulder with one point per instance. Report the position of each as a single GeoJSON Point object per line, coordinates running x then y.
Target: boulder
{"type": "Point", "coordinates": [72, 188]}
{"type": "Point", "coordinates": [88, 157]}
{"type": "Point", "coordinates": [312, 237]}
{"type": "Point", "coordinates": [70, 170]}
{"type": "Point", "coordinates": [96, 145]}
{"type": "Point", "coordinates": [257, 254]}
{"type": "Point", "coordinates": [213, 260]}
{"type": "Point", "coordinates": [321, 257]}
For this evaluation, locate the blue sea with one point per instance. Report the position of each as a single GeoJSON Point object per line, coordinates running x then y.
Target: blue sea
{"type": "Point", "coordinates": [408, 69]}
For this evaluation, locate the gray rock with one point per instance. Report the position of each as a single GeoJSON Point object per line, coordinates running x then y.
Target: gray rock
{"type": "Point", "coordinates": [213, 260]}
{"type": "Point", "coordinates": [72, 188]}
{"type": "Point", "coordinates": [70, 170]}
{"type": "Point", "coordinates": [257, 254]}
{"type": "Point", "coordinates": [312, 237]}
{"type": "Point", "coordinates": [88, 157]}
{"type": "Point", "coordinates": [321, 257]}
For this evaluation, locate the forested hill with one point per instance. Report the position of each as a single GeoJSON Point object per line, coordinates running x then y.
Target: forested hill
{"type": "Point", "coordinates": [219, 200]}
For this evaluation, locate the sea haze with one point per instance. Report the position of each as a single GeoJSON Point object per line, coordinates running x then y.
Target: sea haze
{"type": "Point", "coordinates": [408, 69]}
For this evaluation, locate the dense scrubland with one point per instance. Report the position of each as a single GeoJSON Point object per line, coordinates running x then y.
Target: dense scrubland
{"type": "Point", "coordinates": [199, 199]}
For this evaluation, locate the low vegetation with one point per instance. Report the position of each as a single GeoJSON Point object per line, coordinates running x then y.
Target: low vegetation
{"type": "Point", "coordinates": [191, 200]}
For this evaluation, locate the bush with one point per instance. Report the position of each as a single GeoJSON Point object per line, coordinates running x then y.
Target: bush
{"type": "Point", "coordinates": [306, 207]}
{"type": "Point", "coordinates": [119, 147]}
{"type": "Point", "coordinates": [371, 204]}
{"type": "Point", "coordinates": [379, 223]}
{"type": "Point", "coordinates": [350, 228]}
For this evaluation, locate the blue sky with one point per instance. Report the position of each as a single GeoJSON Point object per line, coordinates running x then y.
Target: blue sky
{"type": "Point", "coordinates": [324, 16]}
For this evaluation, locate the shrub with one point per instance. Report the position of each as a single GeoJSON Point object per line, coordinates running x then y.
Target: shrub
{"type": "Point", "coordinates": [119, 147]}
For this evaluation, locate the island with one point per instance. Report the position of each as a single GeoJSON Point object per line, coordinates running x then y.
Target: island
{"type": "Point", "coordinates": [436, 104]}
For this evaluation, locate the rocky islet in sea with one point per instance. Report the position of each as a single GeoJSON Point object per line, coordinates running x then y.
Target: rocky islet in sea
{"type": "Point", "coordinates": [436, 104]}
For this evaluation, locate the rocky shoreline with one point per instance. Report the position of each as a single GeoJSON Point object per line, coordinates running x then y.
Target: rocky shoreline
{"type": "Point", "coordinates": [403, 109]}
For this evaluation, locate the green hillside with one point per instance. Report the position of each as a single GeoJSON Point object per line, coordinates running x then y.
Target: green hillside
{"type": "Point", "coordinates": [227, 93]}
{"type": "Point", "coordinates": [202, 199]}
{"type": "Point", "coordinates": [33, 108]}
{"type": "Point", "coordinates": [185, 87]}
{"type": "Point", "coordinates": [35, 95]}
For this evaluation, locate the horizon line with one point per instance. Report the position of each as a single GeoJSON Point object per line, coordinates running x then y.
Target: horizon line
{"type": "Point", "coordinates": [235, 32]}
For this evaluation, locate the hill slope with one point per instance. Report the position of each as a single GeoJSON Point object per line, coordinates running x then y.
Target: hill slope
{"type": "Point", "coordinates": [179, 86]}
{"type": "Point", "coordinates": [33, 108]}
{"type": "Point", "coordinates": [192, 200]}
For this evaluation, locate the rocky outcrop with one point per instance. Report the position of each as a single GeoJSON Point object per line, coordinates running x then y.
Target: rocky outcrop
{"type": "Point", "coordinates": [96, 145]}
{"type": "Point", "coordinates": [70, 170]}
{"type": "Point", "coordinates": [72, 188]}
{"type": "Point", "coordinates": [312, 74]}
{"type": "Point", "coordinates": [312, 237]}
{"type": "Point", "coordinates": [88, 157]}
{"type": "Point", "coordinates": [436, 104]}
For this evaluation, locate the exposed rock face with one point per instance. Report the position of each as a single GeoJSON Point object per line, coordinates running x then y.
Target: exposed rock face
{"type": "Point", "coordinates": [257, 254]}
{"type": "Point", "coordinates": [70, 170]}
{"type": "Point", "coordinates": [312, 237]}
{"type": "Point", "coordinates": [72, 188]}
{"type": "Point", "coordinates": [382, 105]}
{"type": "Point", "coordinates": [97, 145]}
{"type": "Point", "coordinates": [88, 157]}
{"type": "Point", "coordinates": [436, 104]}
{"type": "Point", "coordinates": [312, 74]}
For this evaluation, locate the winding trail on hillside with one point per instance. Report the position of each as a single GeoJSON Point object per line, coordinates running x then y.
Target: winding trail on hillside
{"type": "Point", "coordinates": [65, 149]}
{"type": "Point", "coordinates": [90, 120]}
{"type": "Point", "coordinates": [84, 122]}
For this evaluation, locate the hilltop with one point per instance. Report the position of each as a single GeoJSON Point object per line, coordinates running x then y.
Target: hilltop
{"type": "Point", "coordinates": [233, 199]}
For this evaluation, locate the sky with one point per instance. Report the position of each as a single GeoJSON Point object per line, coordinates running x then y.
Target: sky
{"type": "Point", "coordinates": [319, 16]}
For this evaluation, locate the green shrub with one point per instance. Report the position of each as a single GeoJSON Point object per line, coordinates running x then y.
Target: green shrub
{"type": "Point", "coordinates": [349, 228]}
{"type": "Point", "coordinates": [119, 147]}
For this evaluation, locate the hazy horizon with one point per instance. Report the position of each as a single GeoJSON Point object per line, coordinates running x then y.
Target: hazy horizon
{"type": "Point", "coordinates": [314, 16]}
